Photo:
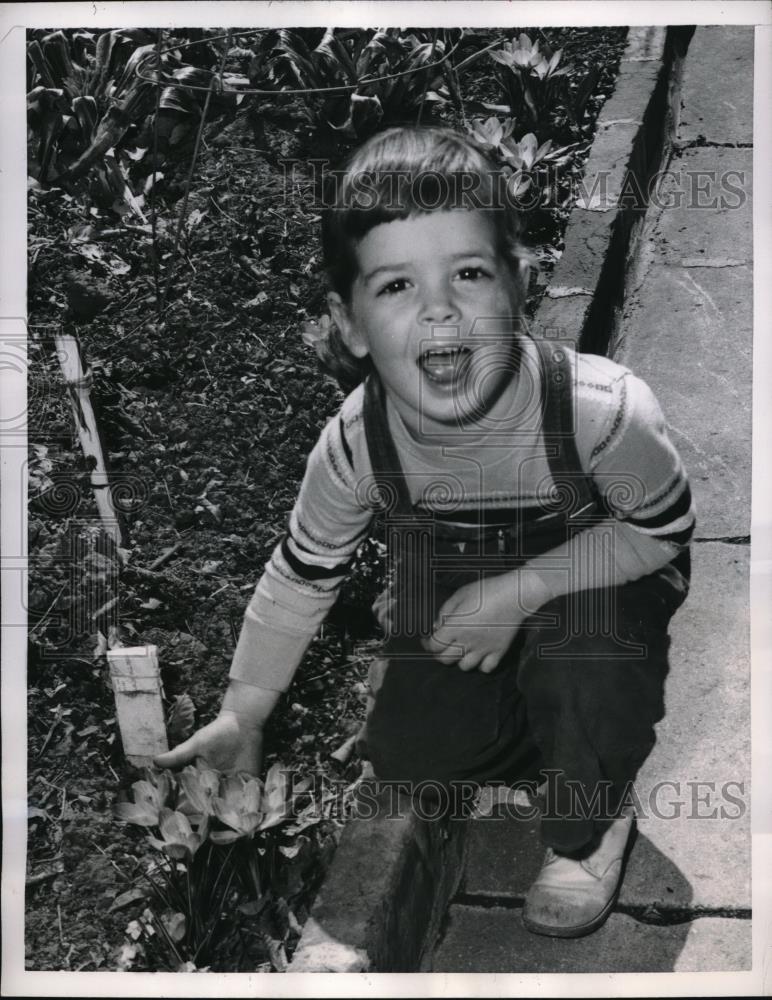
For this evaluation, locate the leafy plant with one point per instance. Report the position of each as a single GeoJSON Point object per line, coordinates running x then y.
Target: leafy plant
{"type": "Point", "coordinates": [531, 79]}
{"type": "Point", "coordinates": [527, 162]}
{"type": "Point", "coordinates": [217, 839]}
{"type": "Point", "coordinates": [576, 99]}
{"type": "Point", "coordinates": [353, 74]}
{"type": "Point", "coordinates": [92, 95]}
{"type": "Point", "coordinates": [80, 111]}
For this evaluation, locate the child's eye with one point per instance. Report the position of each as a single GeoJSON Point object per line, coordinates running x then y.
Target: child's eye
{"type": "Point", "coordinates": [472, 273]}
{"type": "Point", "coordinates": [394, 287]}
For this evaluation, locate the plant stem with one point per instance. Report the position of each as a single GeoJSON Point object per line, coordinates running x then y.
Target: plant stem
{"type": "Point", "coordinates": [460, 104]}
{"type": "Point", "coordinates": [154, 246]}
{"type": "Point", "coordinates": [217, 909]}
{"type": "Point", "coordinates": [167, 938]}
{"type": "Point", "coordinates": [216, 80]}
{"type": "Point", "coordinates": [428, 77]}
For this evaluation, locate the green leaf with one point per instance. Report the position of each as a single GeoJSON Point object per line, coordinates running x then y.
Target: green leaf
{"type": "Point", "coordinates": [181, 719]}
{"type": "Point", "coordinates": [334, 52]}
{"type": "Point", "coordinates": [310, 816]}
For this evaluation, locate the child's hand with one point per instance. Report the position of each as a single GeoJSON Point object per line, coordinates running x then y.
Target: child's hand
{"type": "Point", "coordinates": [228, 743]}
{"type": "Point", "coordinates": [485, 618]}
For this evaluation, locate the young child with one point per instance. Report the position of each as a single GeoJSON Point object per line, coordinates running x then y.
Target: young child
{"type": "Point", "coordinates": [537, 518]}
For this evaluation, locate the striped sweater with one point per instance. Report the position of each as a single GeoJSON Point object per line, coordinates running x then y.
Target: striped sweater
{"type": "Point", "coordinates": [621, 439]}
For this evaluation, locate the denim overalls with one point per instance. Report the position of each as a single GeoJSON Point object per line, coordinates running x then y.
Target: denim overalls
{"type": "Point", "coordinates": [579, 690]}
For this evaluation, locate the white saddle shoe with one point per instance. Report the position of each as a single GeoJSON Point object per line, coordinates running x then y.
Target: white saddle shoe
{"type": "Point", "coordinates": [574, 894]}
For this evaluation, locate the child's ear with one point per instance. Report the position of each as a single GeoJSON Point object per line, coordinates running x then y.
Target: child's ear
{"type": "Point", "coordinates": [341, 316]}
{"type": "Point", "coordinates": [521, 275]}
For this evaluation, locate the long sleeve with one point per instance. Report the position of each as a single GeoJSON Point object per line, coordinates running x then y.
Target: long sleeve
{"type": "Point", "coordinates": [304, 574]}
{"type": "Point", "coordinates": [623, 441]}
{"type": "Point", "coordinates": [639, 472]}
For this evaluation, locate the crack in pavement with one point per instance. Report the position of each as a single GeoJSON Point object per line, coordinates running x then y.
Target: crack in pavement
{"type": "Point", "coordinates": [664, 916]}
{"type": "Point", "coordinates": [727, 539]}
{"type": "Point", "coordinates": [709, 144]}
{"type": "Point", "coordinates": [713, 262]}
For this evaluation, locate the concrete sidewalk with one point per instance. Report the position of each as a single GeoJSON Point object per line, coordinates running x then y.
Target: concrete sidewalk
{"type": "Point", "coordinates": [687, 330]}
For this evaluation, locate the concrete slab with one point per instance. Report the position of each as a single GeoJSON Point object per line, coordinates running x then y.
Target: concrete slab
{"type": "Point", "coordinates": [494, 940]}
{"type": "Point", "coordinates": [688, 334]}
{"type": "Point", "coordinates": [693, 843]}
{"type": "Point", "coordinates": [707, 209]}
{"type": "Point", "coordinates": [704, 737]}
{"type": "Point", "coordinates": [723, 114]}
{"type": "Point", "coordinates": [504, 855]}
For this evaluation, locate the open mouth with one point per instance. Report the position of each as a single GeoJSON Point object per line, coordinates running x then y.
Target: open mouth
{"type": "Point", "coordinates": [444, 365]}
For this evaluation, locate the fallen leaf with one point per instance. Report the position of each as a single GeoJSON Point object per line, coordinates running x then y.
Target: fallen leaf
{"type": "Point", "coordinates": [213, 508]}
{"type": "Point", "coordinates": [175, 925]}
{"type": "Point", "coordinates": [253, 907]}
{"type": "Point", "coordinates": [101, 647]}
{"type": "Point", "coordinates": [181, 719]}
{"type": "Point", "coordinates": [130, 896]}
{"type": "Point", "coordinates": [277, 954]}
{"type": "Point", "coordinates": [134, 931]}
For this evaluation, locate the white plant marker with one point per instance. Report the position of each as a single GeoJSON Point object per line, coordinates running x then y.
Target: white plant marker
{"type": "Point", "coordinates": [136, 682]}
{"type": "Point", "coordinates": [78, 386]}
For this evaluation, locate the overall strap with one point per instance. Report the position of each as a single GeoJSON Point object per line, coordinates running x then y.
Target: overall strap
{"type": "Point", "coordinates": [557, 402]}
{"type": "Point", "coordinates": [387, 469]}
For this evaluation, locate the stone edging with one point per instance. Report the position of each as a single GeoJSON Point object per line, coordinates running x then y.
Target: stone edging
{"type": "Point", "coordinates": [389, 885]}
{"type": "Point", "coordinates": [635, 128]}
{"type": "Point", "coordinates": [392, 877]}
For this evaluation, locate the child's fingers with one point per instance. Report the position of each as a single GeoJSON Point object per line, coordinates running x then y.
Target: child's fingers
{"type": "Point", "coordinates": [443, 646]}
{"type": "Point", "coordinates": [489, 663]}
{"type": "Point", "coordinates": [469, 661]}
{"type": "Point", "coordinates": [185, 753]}
{"type": "Point", "coordinates": [449, 654]}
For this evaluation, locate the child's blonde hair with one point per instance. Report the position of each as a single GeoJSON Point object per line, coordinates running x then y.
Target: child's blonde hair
{"type": "Point", "coordinates": [397, 174]}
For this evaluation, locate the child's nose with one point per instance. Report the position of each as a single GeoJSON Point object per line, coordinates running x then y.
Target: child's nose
{"type": "Point", "coordinates": [439, 306]}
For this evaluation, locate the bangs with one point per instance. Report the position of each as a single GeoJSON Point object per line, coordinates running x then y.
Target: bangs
{"type": "Point", "coordinates": [404, 172]}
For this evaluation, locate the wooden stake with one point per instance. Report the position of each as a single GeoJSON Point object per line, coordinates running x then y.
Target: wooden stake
{"type": "Point", "coordinates": [136, 682]}
{"type": "Point", "coordinates": [78, 387]}
{"type": "Point", "coordinates": [344, 751]}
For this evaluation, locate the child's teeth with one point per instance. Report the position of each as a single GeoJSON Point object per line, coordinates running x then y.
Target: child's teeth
{"type": "Point", "coordinates": [441, 364]}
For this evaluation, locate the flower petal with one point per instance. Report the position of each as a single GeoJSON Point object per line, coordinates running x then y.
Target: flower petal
{"type": "Point", "coordinates": [132, 812]}
{"type": "Point", "coordinates": [200, 785]}
{"type": "Point", "coordinates": [227, 815]}
{"type": "Point", "coordinates": [178, 834]}
{"type": "Point", "coordinates": [224, 836]}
